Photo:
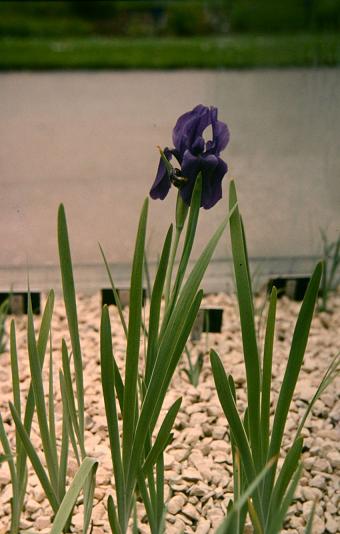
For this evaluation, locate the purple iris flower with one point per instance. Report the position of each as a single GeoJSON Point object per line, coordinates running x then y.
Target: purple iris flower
{"type": "Point", "coordinates": [194, 155]}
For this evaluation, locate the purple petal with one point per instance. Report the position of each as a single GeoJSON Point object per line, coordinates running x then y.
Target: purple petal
{"type": "Point", "coordinates": [162, 184]}
{"type": "Point", "coordinates": [220, 134]}
{"type": "Point", "coordinates": [190, 169]}
{"type": "Point", "coordinates": [189, 126]}
{"type": "Point", "coordinates": [213, 169]}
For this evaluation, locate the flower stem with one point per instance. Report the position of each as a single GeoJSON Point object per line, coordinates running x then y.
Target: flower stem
{"type": "Point", "coordinates": [181, 215]}
{"type": "Point", "coordinates": [172, 258]}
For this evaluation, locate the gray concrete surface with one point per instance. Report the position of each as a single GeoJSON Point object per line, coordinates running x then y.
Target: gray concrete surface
{"type": "Point", "coordinates": [89, 140]}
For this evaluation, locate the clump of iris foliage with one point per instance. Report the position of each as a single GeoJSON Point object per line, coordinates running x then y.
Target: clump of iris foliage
{"type": "Point", "coordinates": [262, 492]}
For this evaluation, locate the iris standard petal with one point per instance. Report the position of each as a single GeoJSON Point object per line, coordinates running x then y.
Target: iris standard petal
{"type": "Point", "coordinates": [189, 126]}
{"type": "Point", "coordinates": [220, 134]}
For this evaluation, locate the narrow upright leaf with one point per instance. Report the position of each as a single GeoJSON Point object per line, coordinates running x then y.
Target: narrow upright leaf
{"type": "Point", "coordinates": [108, 384]}
{"type": "Point", "coordinates": [267, 373]}
{"type": "Point", "coordinates": [295, 359]}
{"type": "Point", "coordinates": [71, 310]}
{"type": "Point", "coordinates": [133, 341]}
{"type": "Point", "coordinates": [87, 468]}
{"type": "Point", "coordinates": [245, 302]}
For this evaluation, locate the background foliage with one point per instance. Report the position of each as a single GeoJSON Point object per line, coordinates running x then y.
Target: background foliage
{"type": "Point", "coordinates": [144, 18]}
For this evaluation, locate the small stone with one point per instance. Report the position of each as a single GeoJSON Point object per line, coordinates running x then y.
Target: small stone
{"type": "Point", "coordinates": [331, 524]}
{"type": "Point", "coordinates": [334, 459]}
{"type": "Point", "coordinates": [176, 504]}
{"type": "Point", "coordinates": [318, 525]}
{"type": "Point", "coordinates": [38, 494]}
{"type": "Point", "coordinates": [31, 506]}
{"type": "Point", "coordinates": [203, 526]}
{"type": "Point", "coordinates": [168, 461]}
{"type": "Point", "coordinates": [219, 432]}
{"type": "Point", "coordinates": [318, 482]}
{"type": "Point", "coordinates": [190, 511]}
{"type": "Point", "coordinates": [25, 524]}
{"type": "Point", "coordinates": [43, 521]}
{"type": "Point", "coordinates": [310, 494]}
{"type": "Point", "coordinates": [78, 520]}
{"type": "Point", "coordinates": [191, 475]}
{"type": "Point", "coordinates": [98, 512]}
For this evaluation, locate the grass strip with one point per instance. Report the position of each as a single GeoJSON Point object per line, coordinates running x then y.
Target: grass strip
{"type": "Point", "coordinates": [230, 52]}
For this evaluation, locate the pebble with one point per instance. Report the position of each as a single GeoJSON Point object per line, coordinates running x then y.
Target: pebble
{"type": "Point", "coordinates": [43, 521]}
{"type": "Point", "coordinates": [190, 511]}
{"type": "Point", "coordinates": [191, 475]}
{"type": "Point", "coordinates": [176, 504]}
{"type": "Point", "coordinates": [203, 526]}
{"type": "Point", "coordinates": [334, 459]}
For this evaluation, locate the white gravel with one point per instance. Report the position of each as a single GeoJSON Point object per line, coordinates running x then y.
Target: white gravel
{"type": "Point", "coordinates": [198, 468]}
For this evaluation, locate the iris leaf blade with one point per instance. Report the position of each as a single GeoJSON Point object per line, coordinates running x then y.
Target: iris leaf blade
{"type": "Point", "coordinates": [71, 311]}
{"type": "Point", "coordinates": [189, 237]}
{"type": "Point", "coordinates": [245, 301]}
{"type": "Point", "coordinates": [87, 468]}
{"type": "Point", "coordinates": [115, 293]}
{"type": "Point", "coordinates": [45, 327]}
{"type": "Point", "coordinates": [133, 340]}
{"type": "Point", "coordinates": [295, 359]}
{"type": "Point", "coordinates": [162, 436]}
{"type": "Point", "coordinates": [38, 389]}
{"type": "Point", "coordinates": [108, 385]}
{"type": "Point", "coordinates": [267, 372]}
{"type": "Point", "coordinates": [155, 305]}
{"type": "Point", "coordinates": [35, 461]}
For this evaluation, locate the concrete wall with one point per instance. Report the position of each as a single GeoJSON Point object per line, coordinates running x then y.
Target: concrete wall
{"type": "Point", "coordinates": [89, 140]}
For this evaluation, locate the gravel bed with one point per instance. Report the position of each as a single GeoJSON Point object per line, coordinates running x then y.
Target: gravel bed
{"type": "Point", "coordinates": [198, 468]}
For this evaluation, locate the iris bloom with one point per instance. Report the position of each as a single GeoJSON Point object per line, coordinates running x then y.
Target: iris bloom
{"type": "Point", "coordinates": [194, 155]}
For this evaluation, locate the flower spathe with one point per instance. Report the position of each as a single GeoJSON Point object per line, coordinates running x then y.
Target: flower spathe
{"type": "Point", "coordinates": [195, 155]}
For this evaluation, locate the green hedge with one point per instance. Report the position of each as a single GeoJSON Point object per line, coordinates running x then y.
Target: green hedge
{"type": "Point", "coordinates": [166, 18]}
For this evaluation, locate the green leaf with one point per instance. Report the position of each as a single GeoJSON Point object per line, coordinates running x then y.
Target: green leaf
{"type": "Point", "coordinates": [251, 356]}
{"type": "Point", "coordinates": [69, 393]}
{"type": "Point", "coordinates": [35, 461]}
{"type": "Point", "coordinates": [63, 454]}
{"type": "Point", "coordinates": [162, 436]}
{"type": "Point", "coordinates": [87, 468]}
{"type": "Point", "coordinates": [147, 500]}
{"type": "Point", "coordinates": [51, 414]}
{"type": "Point", "coordinates": [115, 292]}
{"type": "Point", "coordinates": [281, 512]}
{"type": "Point", "coordinates": [189, 237]}
{"type": "Point", "coordinates": [112, 514]}
{"type": "Point", "coordinates": [44, 331]}
{"type": "Point", "coordinates": [295, 359]}
{"type": "Point", "coordinates": [161, 376]}
{"type": "Point", "coordinates": [8, 456]}
{"type": "Point", "coordinates": [267, 373]}
{"type": "Point", "coordinates": [39, 397]}
{"type": "Point", "coordinates": [155, 306]}
{"type": "Point", "coordinates": [133, 340]}
{"type": "Point", "coordinates": [309, 525]}
{"type": "Point", "coordinates": [227, 525]}
{"type": "Point", "coordinates": [331, 373]}
{"type": "Point", "coordinates": [68, 420]}
{"type": "Point", "coordinates": [229, 408]}
{"type": "Point", "coordinates": [15, 379]}
{"type": "Point", "coordinates": [108, 384]}
{"type": "Point", "coordinates": [161, 508]}
{"type": "Point", "coordinates": [71, 311]}
{"type": "Point", "coordinates": [288, 469]}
